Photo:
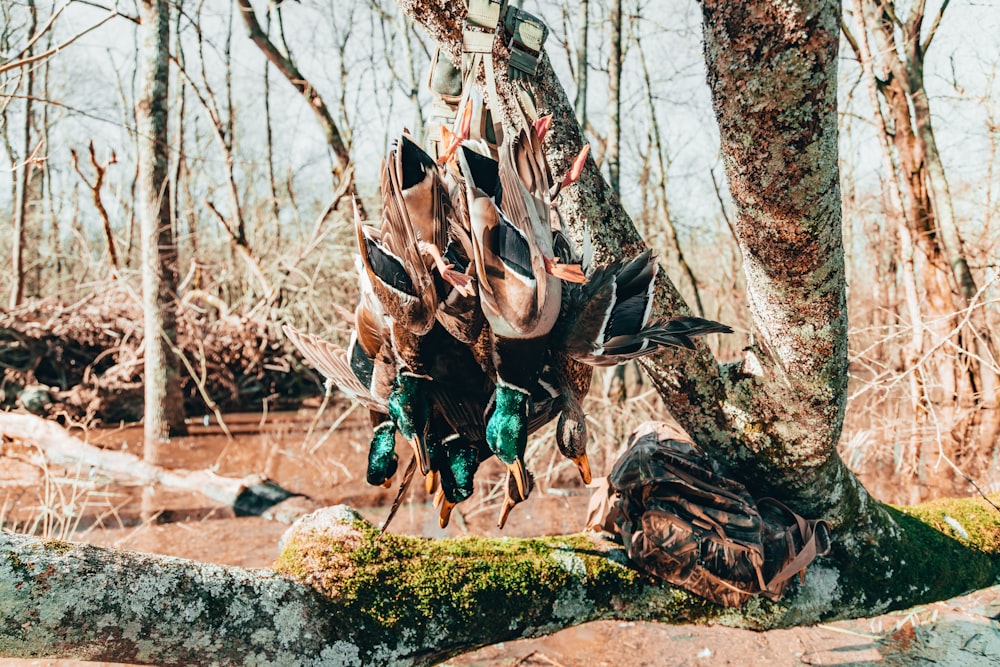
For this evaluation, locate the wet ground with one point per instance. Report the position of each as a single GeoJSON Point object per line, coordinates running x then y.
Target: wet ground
{"type": "Point", "coordinates": [325, 461]}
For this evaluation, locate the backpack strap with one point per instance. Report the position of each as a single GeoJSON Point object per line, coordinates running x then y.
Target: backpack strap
{"type": "Point", "coordinates": [815, 537]}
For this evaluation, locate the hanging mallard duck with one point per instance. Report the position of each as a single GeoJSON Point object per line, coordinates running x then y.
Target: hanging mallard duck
{"type": "Point", "coordinates": [477, 324]}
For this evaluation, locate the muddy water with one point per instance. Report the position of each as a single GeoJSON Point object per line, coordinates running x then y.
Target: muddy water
{"type": "Point", "coordinates": [323, 459]}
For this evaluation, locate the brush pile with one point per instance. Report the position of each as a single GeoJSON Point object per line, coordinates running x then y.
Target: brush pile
{"type": "Point", "coordinates": [84, 361]}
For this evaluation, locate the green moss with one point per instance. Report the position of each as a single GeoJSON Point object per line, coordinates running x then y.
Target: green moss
{"type": "Point", "coordinates": [15, 561]}
{"type": "Point", "coordinates": [458, 590]}
{"type": "Point", "coordinates": [913, 558]}
{"type": "Point", "coordinates": [977, 517]}
{"type": "Point", "coordinates": [60, 547]}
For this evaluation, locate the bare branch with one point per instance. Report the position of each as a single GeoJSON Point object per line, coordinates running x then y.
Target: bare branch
{"type": "Point", "coordinates": [288, 68]}
{"type": "Point", "coordinates": [934, 27]}
{"type": "Point", "coordinates": [13, 64]}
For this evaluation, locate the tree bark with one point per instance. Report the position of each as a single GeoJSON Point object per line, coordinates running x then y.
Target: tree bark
{"type": "Point", "coordinates": [341, 594]}
{"type": "Point", "coordinates": [164, 407]}
{"type": "Point", "coordinates": [774, 90]}
{"type": "Point", "coordinates": [23, 174]}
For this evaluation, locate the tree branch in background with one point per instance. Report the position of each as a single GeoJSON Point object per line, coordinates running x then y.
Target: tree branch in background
{"type": "Point", "coordinates": [288, 68]}
{"type": "Point", "coordinates": [100, 169]}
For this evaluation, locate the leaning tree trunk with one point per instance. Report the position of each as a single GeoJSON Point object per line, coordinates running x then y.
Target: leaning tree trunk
{"type": "Point", "coordinates": [164, 406]}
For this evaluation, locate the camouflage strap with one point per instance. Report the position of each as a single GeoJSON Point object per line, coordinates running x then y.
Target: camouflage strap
{"type": "Point", "coordinates": [815, 537]}
{"type": "Point", "coordinates": [527, 36]}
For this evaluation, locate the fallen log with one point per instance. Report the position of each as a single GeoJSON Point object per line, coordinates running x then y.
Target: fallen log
{"type": "Point", "coordinates": [343, 594]}
{"type": "Point", "coordinates": [250, 495]}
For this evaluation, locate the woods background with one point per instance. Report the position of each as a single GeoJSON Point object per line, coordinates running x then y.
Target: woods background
{"type": "Point", "coordinates": [258, 171]}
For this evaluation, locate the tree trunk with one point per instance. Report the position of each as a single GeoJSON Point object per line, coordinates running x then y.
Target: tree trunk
{"type": "Point", "coordinates": [23, 173]}
{"type": "Point", "coordinates": [583, 30]}
{"type": "Point", "coordinates": [164, 407]}
{"type": "Point", "coordinates": [787, 400]}
{"type": "Point", "coordinates": [613, 152]}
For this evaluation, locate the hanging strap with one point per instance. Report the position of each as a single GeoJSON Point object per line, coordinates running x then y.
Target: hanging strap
{"type": "Point", "coordinates": [815, 535]}
{"type": "Point", "coordinates": [445, 83]}
{"type": "Point", "coordinates": [479, 31]}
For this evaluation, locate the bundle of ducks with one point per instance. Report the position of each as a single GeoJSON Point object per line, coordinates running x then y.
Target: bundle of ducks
{"type": "Point", "coordinates": [476, 323]}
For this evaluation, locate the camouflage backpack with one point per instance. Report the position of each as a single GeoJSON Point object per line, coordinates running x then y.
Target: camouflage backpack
{"type": "Point", "coordinates": [683, 521]}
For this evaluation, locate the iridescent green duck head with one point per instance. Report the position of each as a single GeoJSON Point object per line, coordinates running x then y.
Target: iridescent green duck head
{"type": "Point", "coordinates": [382, 459]}
{"type": "Point", "coordinates": [410, 412]}
{"type": "Point", "coordinates": [507, 431]}
{"type": "Point", "coordinates": [456, 459]}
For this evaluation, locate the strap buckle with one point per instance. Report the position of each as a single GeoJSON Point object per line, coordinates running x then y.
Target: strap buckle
{"type": "Point", "coordinates": [481, 24]}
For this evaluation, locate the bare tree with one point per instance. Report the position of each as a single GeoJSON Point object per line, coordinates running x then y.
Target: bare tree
{"type": "Point", "coordinates": [663, 216]}
{"type": "Point", "coordinates": [952, 357]}
{"type": "Point", "coordinates": [21, 201]}
{"type": "Point", "coordinates": [164, 407]}
{"type": "Point", "coordinates": [583, 30]}
{"type": "Point", "coordinates": [612, 152]}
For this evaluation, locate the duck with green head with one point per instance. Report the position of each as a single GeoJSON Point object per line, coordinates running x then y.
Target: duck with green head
{"type": "Point", "coordinates": [404, 262]}
{"type": "Point", "coordinates": [519, 285]}
{"type": "Point", "coordinates": [358, 377]}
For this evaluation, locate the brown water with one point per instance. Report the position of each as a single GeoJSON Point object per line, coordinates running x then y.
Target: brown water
{"type": "Point", "coordinates": [324, 460]}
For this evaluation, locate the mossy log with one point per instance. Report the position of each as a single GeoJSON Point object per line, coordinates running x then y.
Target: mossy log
{"type": "Point", "coordinates": [340, 594]}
